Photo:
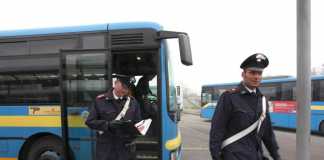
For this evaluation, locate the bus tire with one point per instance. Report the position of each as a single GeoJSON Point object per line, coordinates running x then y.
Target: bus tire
{"type": "Point", "coordinates": [321, 127]}
{"type": "Point", "coordinates": [46, 148]}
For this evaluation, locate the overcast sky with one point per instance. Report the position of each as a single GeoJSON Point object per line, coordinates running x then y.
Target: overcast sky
{"type": "Point", "coordinates": [222, 32]}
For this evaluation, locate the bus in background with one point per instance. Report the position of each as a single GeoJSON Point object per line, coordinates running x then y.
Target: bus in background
{"type": "Point", "coordinates": [281, 93]}
{"type": "Point", "coordinates": [49, 78]}
{"type": "Point", "coordinates": [209, 97]}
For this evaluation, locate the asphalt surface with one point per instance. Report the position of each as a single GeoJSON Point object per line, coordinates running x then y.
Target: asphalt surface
{"type": "Point", "coordinates": [195, 138]}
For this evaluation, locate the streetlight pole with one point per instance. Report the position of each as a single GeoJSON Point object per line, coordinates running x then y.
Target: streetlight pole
{"type": "Point", "coordinates": [303, 79]}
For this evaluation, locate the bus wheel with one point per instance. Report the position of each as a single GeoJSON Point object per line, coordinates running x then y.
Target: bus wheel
{"type": "Point", "coordinates": [321, 128]}
{"type": "Point", "coordinates": [46, 148]}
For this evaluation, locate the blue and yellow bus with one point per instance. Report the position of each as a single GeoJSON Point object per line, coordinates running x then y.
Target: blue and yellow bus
{"type": "Point", "coordinates": [49, 78]}
{"type": "Point", "coordinates": [281, 93]}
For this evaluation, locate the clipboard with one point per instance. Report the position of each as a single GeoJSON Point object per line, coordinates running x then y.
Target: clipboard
{"type": "Point", "coordinates": [129, 128]}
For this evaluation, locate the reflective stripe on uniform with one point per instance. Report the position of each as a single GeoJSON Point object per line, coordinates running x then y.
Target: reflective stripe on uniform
{"type": "Point", "coordinates": [248, 130]}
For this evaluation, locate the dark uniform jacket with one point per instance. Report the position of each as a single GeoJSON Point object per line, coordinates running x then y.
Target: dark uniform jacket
{"type": "Point", "coordinates": [111, 144]}
{"type": "Point", "coordinates": [236, 110]}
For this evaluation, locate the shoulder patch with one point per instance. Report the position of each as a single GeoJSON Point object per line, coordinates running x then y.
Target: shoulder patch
{"type": "Point", "coordinates": [233, 90]}
{"type": "Point", "coordinates": [100, 96]}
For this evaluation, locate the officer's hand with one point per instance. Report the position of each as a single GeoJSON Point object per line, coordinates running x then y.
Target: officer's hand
{"type": "Point", "coordinates": [114, 124]}
{"type": "Point", "coordinates": [119, 123]}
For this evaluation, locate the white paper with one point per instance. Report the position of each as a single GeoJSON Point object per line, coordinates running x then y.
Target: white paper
{"type": "Point", "coordinates": [143, 126]}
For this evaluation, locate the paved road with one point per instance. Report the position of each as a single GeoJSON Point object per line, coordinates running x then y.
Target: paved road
{"type": "Point", "coordinates": [195, 132]}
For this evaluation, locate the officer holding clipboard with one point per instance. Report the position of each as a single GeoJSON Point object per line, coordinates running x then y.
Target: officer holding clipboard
{"type": "Point", "coordinates": [113, 116]}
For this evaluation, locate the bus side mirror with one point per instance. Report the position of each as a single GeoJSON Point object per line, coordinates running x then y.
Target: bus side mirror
{"type": "Point", "coordinates": [185, 49]}
{"type": "Point", "coordinates": [184, 44]}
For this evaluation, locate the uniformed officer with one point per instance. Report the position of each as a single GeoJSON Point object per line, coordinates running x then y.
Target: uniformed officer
{"type": "Point", "coordinates": [147, 101]}
{"type": "Point", "coordinates": [142, 95]}
{"type": "Point", "coordinates": [113, 136]}
{"type": "Point", "coordinates": [238, 109]}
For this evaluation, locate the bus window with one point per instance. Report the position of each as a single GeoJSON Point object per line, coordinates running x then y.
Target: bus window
{"type": "Point", "coordinates": [52, 46]}
{"type": "Point", "coordinates": [17, 48]}
{"type": "Point", "coordinates": [172, 97]}
{"type": "Point", "coordinates": [318, 90]}
{"type": "Point", "coordinates": [271, 91]}
{"type": "Point", "coordinates": [172, 90]}
{"type": "Point", "coordinates": [93, 41]}
{"type": "Point", "coordinates": [29, 64]}
{"type": "Point", "coordinates": [87, 78]}
{"type": "Point", "coordinates": [205, 98]}
{"type": "Point", "coordinates": [315, 90]}
{"type": "Point", "coordinates": [321, 93]}
{"type": "Point", "coordinates": [287, 91]}
{"type": "Point", "coordinates": [29, 88]}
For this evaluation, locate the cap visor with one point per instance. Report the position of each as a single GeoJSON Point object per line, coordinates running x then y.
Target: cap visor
{"type": "Point", "coordinates": [255, 69]}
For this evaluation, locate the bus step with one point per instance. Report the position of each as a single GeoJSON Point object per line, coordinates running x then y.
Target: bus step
{"type": "Point", "coordinates": [147, 144]}
{"type": "Point", "coordinates": [147, 156]}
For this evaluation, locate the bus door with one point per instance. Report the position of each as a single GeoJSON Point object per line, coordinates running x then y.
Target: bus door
{"type": "Point", "coordinates": [84, 75]}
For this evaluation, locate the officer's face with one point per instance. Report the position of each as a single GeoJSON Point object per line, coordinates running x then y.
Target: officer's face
{"type": "Point", "coordinates": [252, 78]}
{"type": "Point", "coordinates": [120, 89]}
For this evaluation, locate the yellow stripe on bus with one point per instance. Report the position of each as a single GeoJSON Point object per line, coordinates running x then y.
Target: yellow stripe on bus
{"type": "Point", "coordinates": [8, 158]}
{"type": "Point", "coordinates": [39, 121]}
{"type": "Point", "coordinates": [174, 144]}
{"type": "Point", "coordinates": [317, 107]}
